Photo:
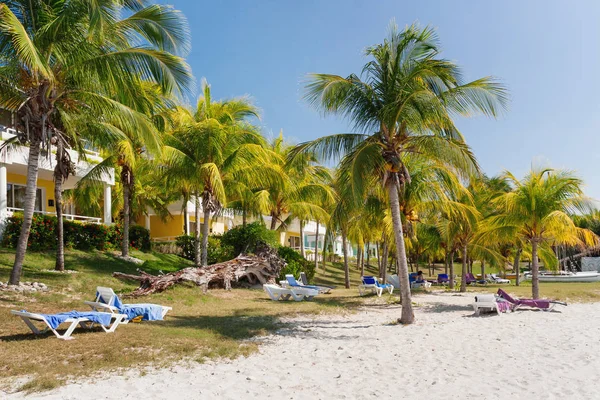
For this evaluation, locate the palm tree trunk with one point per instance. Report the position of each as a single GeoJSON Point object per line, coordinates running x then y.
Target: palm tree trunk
{"type": "Point", "coordinates": [186, 230]}
{"type": "Point", "coordinates": [346, 267]}
{"type": "Point", "coordinates": [244, 216]}
{"type": "Point", "coordinates": [516, 265]}
{"type": "Point", "coordinates": [535, 271]}
{"type": "Point", "coordinates": [451, 272]}
{"type": "Point", "coordinates": [204, 257]}
{"type": "Point", "coordinates": [446, 263]}
{"type": "Point", "coordinates": [58, 182]}
{"type": "Point", "coordinates": [317, 247]}
{"type": "Point", "coordinates": [197, 258]}
{"type": "Point", "coordinates": [368, 253]}
{"type": "Point", "coordinates": [302, 252]}
{"type": "Point", "coordinates": [60, 241]}
{"type": "Point", "coordinates": [30, 190]}
{"type": "Point", "coordinates": [125, 242]}
{"type": "Point", "coordinates": [407, 316]}
{"type": "Point", "coordinates": [378, 254]}
{"type": "Point", "coordinates": [273, 221]}
{"type": "Point", "coordinates": [482, 269]}
{"type": "Point", "coordinates": [463, 281]}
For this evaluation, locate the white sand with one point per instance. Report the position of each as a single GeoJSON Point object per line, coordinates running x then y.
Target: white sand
{"type": "Point", "coordinates": [446, 354]}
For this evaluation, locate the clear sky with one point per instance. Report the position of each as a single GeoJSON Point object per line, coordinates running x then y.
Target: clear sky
{"type": "Point", "coordinates": [546, 51]}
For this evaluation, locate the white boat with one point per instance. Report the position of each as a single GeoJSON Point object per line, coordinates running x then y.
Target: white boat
{"type": "Point", "coordinates": [564, 276]}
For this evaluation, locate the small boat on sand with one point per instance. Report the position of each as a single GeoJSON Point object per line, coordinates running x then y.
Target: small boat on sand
{"type": "Point", "coordinates": [564, 276]}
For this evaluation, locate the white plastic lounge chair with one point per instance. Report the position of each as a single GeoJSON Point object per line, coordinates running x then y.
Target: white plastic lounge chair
{"type": "Point", "coordinates": [304, 292]}
{"type": "Point", "coordinates": [106, 300]}
{"type": "Point", "coordinates": [490, 302]}
{"type": "Point", "coordinates": [496, 279]}
{"type": "Point", "coordinates": [277, 293]}
{"type": "Point", "coordinates": [29, 318]}
{"type": "Point", "coordinates": [370, 283]}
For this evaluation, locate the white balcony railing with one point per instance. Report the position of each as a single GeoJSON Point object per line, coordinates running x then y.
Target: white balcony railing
{"type": "Point", "coordinates": [71, 217]}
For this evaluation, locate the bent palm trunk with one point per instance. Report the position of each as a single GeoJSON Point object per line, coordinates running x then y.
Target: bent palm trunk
{"type": "Point", "coordinates": [30, 189]}
{"type": "Point", "coordinates": [407, 316]}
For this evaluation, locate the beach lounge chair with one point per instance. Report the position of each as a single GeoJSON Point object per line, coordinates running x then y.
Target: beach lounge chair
{"type": "Point", "coordinates": [108, 301]}
{"type": "Point", "coordinates": [443, 279]}
{"type": "Point", "coordinates": [277, 293]}
{"type": "Point", "coordinates": [496, 279]}
{"type": "Point", "coordinates": [107, 321]}
{"type": "Point", "coordinates": [542, 304]}
{"type": "Point", "coordinates": [412, 279]}
{"type": "Point", "coordinates": [293, 283]}
{"type": "Point", "coordinates": [372, 284]}
{"type": "Point", "coordinates": [322, 289]}
{"type": "Point", "coordinates": [393, 280]}
{"type": "Point", "coordinates": [471, 279]}
{"type": "Point", "coordinates": [491, 302]}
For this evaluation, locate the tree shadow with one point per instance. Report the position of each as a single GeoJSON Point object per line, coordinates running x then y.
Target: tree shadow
{"type": "Point", "coordinates": [238, 326]}
{"type": "Point", "coordinates": [444, 307]}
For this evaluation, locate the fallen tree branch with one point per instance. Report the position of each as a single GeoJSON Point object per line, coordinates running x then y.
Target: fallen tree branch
{"type": "Point", "coordinates": [264, 266]}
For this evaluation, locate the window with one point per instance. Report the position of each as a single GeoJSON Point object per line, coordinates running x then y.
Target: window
{"type": "Point", "coordinates": [15, 196]}
{"type": "Point", "coordinates": [294, 241]}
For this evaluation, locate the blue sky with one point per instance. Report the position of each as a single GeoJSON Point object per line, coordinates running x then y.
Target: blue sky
{"type": "Point", "coordinates": [546, 52]}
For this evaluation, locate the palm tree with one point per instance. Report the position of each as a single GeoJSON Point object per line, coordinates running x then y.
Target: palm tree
{"type": "Point", "coordinates": [69, 65]}
{"type": "Point", "coordinates": [538, 211]}
{"type": "Point", "coordinates": [213, 151]}
{"type": "Point", "coordinates": [302, 192]}
{"type": "Point", "coordinates": [404, 104]}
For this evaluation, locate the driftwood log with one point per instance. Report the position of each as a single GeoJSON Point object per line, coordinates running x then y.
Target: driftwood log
{"type": "Point", "coordinates": [263, 267]}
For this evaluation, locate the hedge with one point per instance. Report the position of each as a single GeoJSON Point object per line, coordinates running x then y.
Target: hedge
{"type": "Point", "coordinates": [77, 235]}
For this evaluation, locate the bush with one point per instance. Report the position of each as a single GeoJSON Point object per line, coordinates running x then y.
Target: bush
{"type": "Point", "coordinates": [217, 251]}
{"type": "Point", "coordinates": [139, 238]}
{"type": "Point", "coordinates": [295, 263]}
{"type": "Point", "coordinates": [245, 239]}
{"type": "Point", "coordinates": [77, 235]}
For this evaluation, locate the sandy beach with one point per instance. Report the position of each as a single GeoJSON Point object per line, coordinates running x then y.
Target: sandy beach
{"type": "Point", "coordinates": [448, 353]}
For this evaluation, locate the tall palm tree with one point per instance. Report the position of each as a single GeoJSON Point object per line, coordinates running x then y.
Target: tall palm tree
{"type": "Point", "coordinates": [538, 211]}
{"type": "Point", "coordinates": [403, 104]}
{"type": "Point", "coordinates": [213, 151]}
{"type": "Point", "coordinates": [70, 64]}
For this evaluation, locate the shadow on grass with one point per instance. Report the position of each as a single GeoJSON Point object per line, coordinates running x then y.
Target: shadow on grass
{"type": "Point", "coordinates": [49, 335]}
{"type": "Point", "coordinates": [236, 327]}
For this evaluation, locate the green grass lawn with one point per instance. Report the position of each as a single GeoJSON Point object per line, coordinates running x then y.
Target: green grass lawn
{"type": "Point", "coordinates": [201, 326]}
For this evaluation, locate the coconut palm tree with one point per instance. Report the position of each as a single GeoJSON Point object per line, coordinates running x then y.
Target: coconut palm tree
{"type": "Point", "coordinates": [213, 151]}
{"type": "Point", "coordinates": [303, 191]}
{"type": "Point", "coordinates": [538, 211]}
{"type": "Point", "coordinates": [403, 104]}
{"type": "Point", "coordinates": [70, 64]}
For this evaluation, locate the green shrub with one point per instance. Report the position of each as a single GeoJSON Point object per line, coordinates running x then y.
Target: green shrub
{"type": "Point", "coordinates": [139, 238]}
{"type": "Point", "coordinates": [77, 235]}
{"type": "Point", "coordinates": [217, 251]}
{"type": "Point", "coordinates": [245, 239]}
{"type": "Point", "coordinates": [186, 244]}
{"type": "Point", "coordinates": [295, 263]}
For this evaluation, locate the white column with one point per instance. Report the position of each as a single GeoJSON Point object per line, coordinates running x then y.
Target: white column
{"type": "Point", "coordinates": [107, 204]}
{"type": "Point", "coordinates": [147, 221]}
{"type": "Point", "coordinates": [3, 189]}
